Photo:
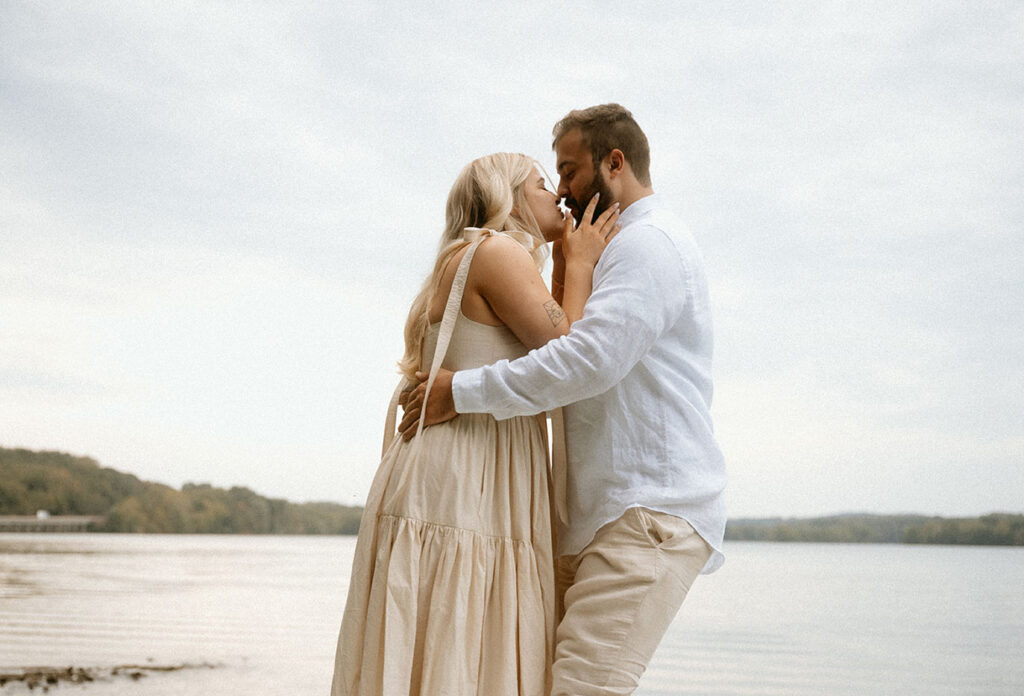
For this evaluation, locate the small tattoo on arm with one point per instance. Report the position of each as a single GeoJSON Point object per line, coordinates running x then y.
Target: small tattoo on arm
{"type": "Point", "coordinates": [555, 313]}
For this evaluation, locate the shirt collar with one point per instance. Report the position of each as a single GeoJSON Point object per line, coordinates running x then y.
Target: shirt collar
{"type": "Point", "coordinates": [638, 208]}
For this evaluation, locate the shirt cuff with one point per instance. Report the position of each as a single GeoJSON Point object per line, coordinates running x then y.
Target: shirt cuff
{"type": "Point", "coordinates": [468, 391]}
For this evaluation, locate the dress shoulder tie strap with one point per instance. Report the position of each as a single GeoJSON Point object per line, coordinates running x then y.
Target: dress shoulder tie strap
{"type": "Point", "coordinates": [444, 337]}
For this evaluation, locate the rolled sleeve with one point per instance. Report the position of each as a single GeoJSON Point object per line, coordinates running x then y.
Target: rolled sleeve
{"type": "Point", "coordinates": [467, 391]}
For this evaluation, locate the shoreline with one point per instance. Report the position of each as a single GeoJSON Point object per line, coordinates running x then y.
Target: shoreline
{"type": "Point", "coordinates": [45, 677]}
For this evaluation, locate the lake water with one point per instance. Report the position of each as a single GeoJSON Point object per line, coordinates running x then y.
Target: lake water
{"type": "Point", "coordinates": [786, 619]}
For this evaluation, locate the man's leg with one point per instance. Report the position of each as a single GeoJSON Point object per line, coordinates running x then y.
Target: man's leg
{"type": "Point", "coordinates": [626, 587]}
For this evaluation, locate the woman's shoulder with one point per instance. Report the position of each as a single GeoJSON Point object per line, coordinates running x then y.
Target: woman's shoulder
{"type": "Point", "coordinates": [502, 255]}
{"type": "Point", "coordinates": [498, 254]}
{"type": "Point", "coordinates": [498, 246]}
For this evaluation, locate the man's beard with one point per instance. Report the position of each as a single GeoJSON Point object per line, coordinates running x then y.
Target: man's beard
{"type": "Point", "coordinates": [598, 185]}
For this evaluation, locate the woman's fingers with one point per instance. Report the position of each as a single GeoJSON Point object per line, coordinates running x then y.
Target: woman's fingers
{"type": "Point", "coordinates": [602, 222]}
{"type": "Point", "coordinates": [589, 239]}
{"type": "Point", "coordinates": [607, 217]}
{"type": "Point", "coordinates": [609, 222]}
{"type": "Point", "coordinates": [603, 227]}
{"type": "Point", "coordinates": [588, 214]}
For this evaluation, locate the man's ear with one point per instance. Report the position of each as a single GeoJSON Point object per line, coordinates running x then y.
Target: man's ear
{"type": "Point", "coordinates": [616, 163]}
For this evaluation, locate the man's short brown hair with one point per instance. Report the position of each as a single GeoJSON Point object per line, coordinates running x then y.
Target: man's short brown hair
{"type": "Point", "coordinates": [608, 127]}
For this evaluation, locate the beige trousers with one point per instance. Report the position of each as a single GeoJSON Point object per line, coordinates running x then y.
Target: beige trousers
{"type": "Point", "coordinates": [617, 599]}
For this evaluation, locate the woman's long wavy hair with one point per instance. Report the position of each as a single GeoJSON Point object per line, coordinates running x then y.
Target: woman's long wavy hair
{"type": "Point", "coordinates": [488, 194]}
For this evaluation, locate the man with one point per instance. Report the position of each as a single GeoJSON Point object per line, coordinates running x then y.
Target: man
{"type": "Point", "coordinates": [645, 477]}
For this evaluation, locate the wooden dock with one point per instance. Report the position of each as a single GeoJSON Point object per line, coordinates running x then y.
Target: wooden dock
{"type": "Point", "coordinates": [52, 523]}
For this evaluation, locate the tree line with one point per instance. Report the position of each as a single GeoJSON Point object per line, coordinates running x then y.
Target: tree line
{"type": "Point", "coordinates": [997, 529]}
{"type": "Point", "coordinates": [63, 484]}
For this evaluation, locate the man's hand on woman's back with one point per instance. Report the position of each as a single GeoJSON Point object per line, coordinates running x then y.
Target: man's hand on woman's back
{"type": "Point", "coordinates": [439, 409]}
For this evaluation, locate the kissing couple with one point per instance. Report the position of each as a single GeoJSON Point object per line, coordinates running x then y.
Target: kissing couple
{"type": "Point", "coordinates": [490, 561]}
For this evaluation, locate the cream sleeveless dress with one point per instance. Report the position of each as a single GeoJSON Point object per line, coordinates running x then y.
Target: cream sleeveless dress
{"type": "Point", "coordinates": [452, 590]}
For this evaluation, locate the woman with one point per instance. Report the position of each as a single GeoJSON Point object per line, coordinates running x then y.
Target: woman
{"type": "Point", "coordinates": [452, 580]}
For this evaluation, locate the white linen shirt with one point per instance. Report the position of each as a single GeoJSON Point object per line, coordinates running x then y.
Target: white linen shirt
{"type": "Point", "coordinates": [635, 377]}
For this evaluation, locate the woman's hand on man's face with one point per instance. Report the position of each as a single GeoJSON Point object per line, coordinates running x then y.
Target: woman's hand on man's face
{"type": "Point", "coordinates": [585, 244]}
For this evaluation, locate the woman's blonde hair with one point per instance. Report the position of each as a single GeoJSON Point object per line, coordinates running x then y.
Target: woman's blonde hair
{"type": "Point", "coordinates": [488, 194]}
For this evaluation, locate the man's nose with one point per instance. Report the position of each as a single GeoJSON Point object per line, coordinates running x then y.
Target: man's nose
{"type": "Point", "coordinates": [563, 189]}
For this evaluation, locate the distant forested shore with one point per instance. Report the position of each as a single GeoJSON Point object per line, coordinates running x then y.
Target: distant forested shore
{"type": "Point", "coordinates": [996, 529]}
{"type": "Point", "coordinates": [63, 484]}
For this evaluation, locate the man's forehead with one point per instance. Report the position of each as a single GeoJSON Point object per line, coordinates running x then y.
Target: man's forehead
{"type": "Point", "coordinates": [567, 149]}
{"type": "Point", "coordinates": [564, 161]}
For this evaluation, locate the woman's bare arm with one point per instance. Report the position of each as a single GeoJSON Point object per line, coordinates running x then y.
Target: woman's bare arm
{"type": "Point", "coordinates": [504, 274]}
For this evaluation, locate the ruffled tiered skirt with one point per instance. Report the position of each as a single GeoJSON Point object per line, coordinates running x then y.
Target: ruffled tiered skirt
{"type": "Point", "coordinates": [452, 589]}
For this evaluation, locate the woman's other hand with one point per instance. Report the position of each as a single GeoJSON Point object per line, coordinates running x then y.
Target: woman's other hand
{"type": "Point", "coordinates": [584, 245]}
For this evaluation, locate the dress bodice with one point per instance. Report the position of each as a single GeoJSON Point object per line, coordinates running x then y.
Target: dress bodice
{"type": "Point", "coordinates": [472, 345]}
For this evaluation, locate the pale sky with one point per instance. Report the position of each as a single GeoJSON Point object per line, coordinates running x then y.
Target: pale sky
{"type": "Point", "coordinates": [213, 217]}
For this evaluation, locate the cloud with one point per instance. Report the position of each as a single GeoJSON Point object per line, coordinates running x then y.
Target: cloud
{"type": "Point", "coordinates": [212, 222]}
